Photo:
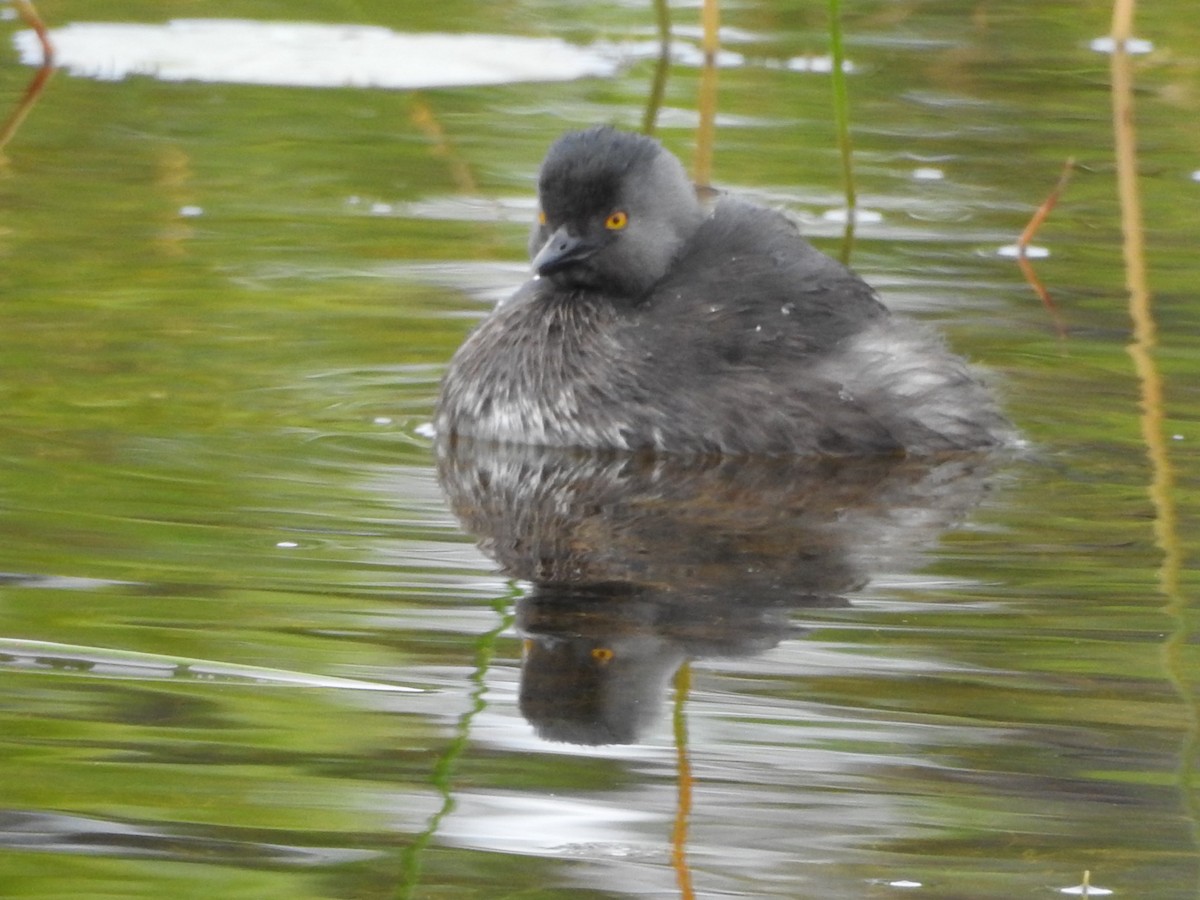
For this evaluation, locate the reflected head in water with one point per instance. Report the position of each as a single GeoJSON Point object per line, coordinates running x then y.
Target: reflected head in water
{"type": "Point", "coordinates": [594, 664]}
{"type": "Point", "coordinates": [640, 562]}
{"type": "Point", "coordinates": [651, 323]}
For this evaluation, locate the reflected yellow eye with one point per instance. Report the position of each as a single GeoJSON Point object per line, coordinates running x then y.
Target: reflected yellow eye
{"type": "Point", "coordinates": [602, 655]}
{"type": "Point", "coordinates": [616, 221]}
{"type": "Point", "coordinates": [541, 217]}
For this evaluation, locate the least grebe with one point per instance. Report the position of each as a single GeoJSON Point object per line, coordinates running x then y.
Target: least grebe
{"type": "Point", "coordinates": [653, 324]}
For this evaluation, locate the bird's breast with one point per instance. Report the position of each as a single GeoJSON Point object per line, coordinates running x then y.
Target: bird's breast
{"type": "Point", "coordinates": [545, 371]}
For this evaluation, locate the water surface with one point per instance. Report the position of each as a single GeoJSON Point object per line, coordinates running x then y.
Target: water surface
{"type": "Point", "coordinates": [250, 650]}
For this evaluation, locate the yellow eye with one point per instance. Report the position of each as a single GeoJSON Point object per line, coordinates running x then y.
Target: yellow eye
{"type": "Point", "coordinates": [616, 221]}
{"type": "Point", "coordinates": [602, 655]}
{"type": "Point", "coordinates": [541, 217]}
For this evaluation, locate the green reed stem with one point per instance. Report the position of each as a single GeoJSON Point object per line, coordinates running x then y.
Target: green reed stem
{"type": "Point", "coordinates": [662, 66]}
{"type": "Point", "coordinates": [443, 769]}
{"type": "Point", "coordinates": [841, 116]}
{"type": "Point", "coordinates": [841, 101]}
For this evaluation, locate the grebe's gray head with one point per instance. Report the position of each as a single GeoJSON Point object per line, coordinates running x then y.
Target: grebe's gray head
{"type": "Point", "coordinates": [614, 210]}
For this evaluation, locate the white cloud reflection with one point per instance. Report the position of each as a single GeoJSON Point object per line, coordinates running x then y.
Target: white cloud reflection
{"type": "Point", "coordinates": [309, 55]}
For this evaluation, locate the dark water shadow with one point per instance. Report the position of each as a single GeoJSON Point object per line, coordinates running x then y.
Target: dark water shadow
{"type": "Point", "coordinates": [639, 564]}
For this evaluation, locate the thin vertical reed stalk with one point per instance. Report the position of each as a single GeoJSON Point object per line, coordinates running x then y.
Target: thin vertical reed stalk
{"type": "Point", "coordinates": [658, 86]}
{"type": "Point", "coordinates": [683, 802]}
{"type": "Point", "coordinates": [706, 133]}
{"type": "Point", "coordinates": [1122, 21]}
{"type": "Point", "coordinates": [443, 769]}
{"type": "Point", "coordinates": [841, 115]}
{"type": "Point", "coordinates": [1142, 350]}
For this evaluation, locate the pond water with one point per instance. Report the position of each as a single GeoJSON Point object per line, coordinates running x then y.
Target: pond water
{"type": "Point", "coordinates": [251, 646]}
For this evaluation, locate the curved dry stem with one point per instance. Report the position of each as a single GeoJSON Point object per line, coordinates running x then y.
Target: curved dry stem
{"type": "Point", "coordinates": [41, 78]}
